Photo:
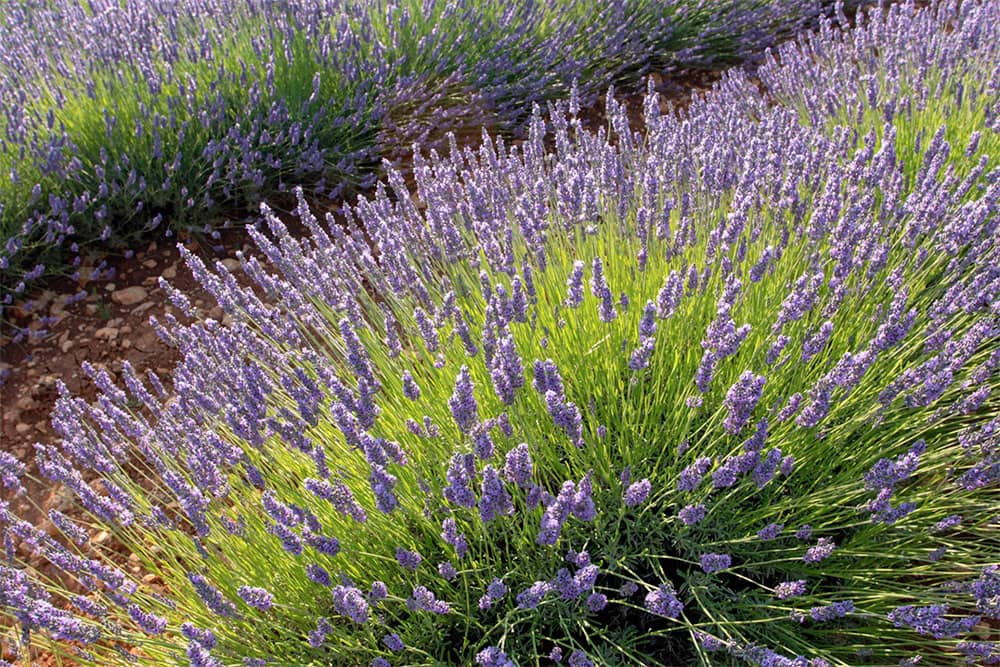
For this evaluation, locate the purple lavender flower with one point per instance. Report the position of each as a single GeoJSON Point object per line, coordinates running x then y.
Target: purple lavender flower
{"type": "Point", "coordinates": [596, 602]}
{"type": "Point", "coordinates": [647, 325]}
{"type": "Point", "coordinates": [258, 598]}
{"type": "Point", "coordinates": [461, 471]}
{"type": "Point", "coordinates": [482, 443]}
{"type": "Point", "coordinates": [692, 475]}
{"type": "Point", "coordinates": [741, 399]}
{"type": "Point", "coordinates": [339, 495]}
{"type": "Point", "coordinates": [493, 657]}
{"type": "Point", "coordinates": [937, 554]}
{"type": "Point", "coordinates": [709, 643]}
{"type": "Point", "coordinates": [887, 473]}
{"type": "Point", "coordinates": [575, 284]}
{"type": "Point", "coordinates": [986, 592]}
{"type": "Point", "coordinates": [318, 636]}
{"type": "Point", "coordinates": [410, 560]}
{"type": "Point", "coordinates": [379, 591]}
{"type": "Point", "coordinates": [447, 571]}
{"type": "Point", "coordinates": [317, 574]}
{"type": "Point", "coordinates": [790, 589]}
{"type": "Point", "coordinates": [350, 602]}
{"type": "Point", "coordinates": [556, 513]}
{"type": "Point", "coordinates": [930, 620]}
{"type": "Point", "coordinates": [642, 354]}
{"type": "Point", "coordinates": [824, 547]}
{"type": "Point", "coordinates": [579, 659]}
{"type": "Point", "coordinates": [804, 532]}
{"type": "Point", "coordinates": [663, 602]}
{"type": "Point", "coordinates": [212, 596]}
{"type": "Point", "coordinates": [424, 600]}
{"type": "Point", "coordinates": [776, 348]}
{"type": "Point", "coordinates": [462, 402]}
{"type": "Point", "coordinates": [983, 653]}
{"type": "Point", "coordinates": [195, 634]}
{"type": "Point", "coordinates": [11, 471]}
{"type": "Point", "coordinates": [393, 642]}
{"type": "Point", "coordinates": [637, 492]}
{"type": "Point", "coordinates": [814, 344]}
{"type": "Point", "coordinates": [770, 531]}
{"type": "Point", "coordinates": [410, 388]}
{"type": "Point", "coordinates": [706, 371]}
{"type": "Point", "coordinates": [832, 611]}
{"type": "Point", "coordinates": [583, 502]}
{"type": "Point", "coordinates": [692, 514]}
{"type": "Point", "coordinates": [530, 597]}
{"type": "Point", "coordinates": [599, 288]}
{"type": "Point", "coordinates": [517, 467]}
{"type": "Point", "coordinates": [494, 500]}
{"type": "Point", "coordinates": [147, 621]}
{"type": "Point", "coordinates": [764, 471]}
{"type": "Point", "coordinates": [715, 562]}
{"type": "Point", "coordinates": [450, 534]}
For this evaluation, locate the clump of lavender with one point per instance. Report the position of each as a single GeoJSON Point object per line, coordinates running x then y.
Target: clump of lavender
{"type": "Point", "coordinates": [309, 489]}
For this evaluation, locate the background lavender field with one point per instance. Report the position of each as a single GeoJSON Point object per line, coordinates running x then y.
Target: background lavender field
{"type": "Point", "coordinates": [210, 105]}
{"type": "Point", "coordinates": [724, 392]}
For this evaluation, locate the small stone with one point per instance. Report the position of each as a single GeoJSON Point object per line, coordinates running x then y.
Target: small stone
{"type": "Point", "coordinates": [22, 428]}
{"type": "Point", "coordinates": [106, 333]}
{"type": "Point", "coordinates": [170, 272]}
{"type": "Point", "coordinates": [125, 329]}
{"type": "Point", "coordinates": [231, 264]}
{"type": "Point", "coordinates": [150, 264]}
{"type": "Point", "coordinates": [101, 537]}
{"type": "Point", "coordinates": [110, 287]}
{"type": "Point", "coordinates": [129, 296]}
{"type": "Point", "coordinates": [66, 346]}
{"type": "Point", "coordinates": [25, 403]}
{"type": "Point", "coordinates": [59, 305]}
{"type": "Point", "coordinates": [125, 344]}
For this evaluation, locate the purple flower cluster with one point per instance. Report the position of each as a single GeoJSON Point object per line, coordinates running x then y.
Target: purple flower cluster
{"type": "Point", "coordinates": [821, 551]}
{"type": "Point", "coordinates": [930, 620]}
{"type": "Point", "coordinates": [741, 399]}
{"type": "Point", "coordinates": [790, 589]}
{"type": "Point", "coordinates": [572, 500]}
{"type": "Point", "coordinates": [637, 492]}
{"type": "Point", "coordinates": [883, 477]}
{"type": "Point", "coordinates": [715, 562]}
{"type": "Point", "coordinates": [664, 602]}
{"type": "Point", "coordinates": [832, 611]}
{"type": "Point", "coordinates": [289, 402]}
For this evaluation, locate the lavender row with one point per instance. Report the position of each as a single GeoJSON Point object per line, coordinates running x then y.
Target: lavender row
{"type": "Point", "coordinates": [208, 105]}
{"type": "Point", "coordinates": [725, 391]}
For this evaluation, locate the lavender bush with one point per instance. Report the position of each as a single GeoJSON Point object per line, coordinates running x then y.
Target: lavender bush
{"type": "Point", "coordinates": [208, 105]}
{"type": "Point", "coordinates": [724, 393]}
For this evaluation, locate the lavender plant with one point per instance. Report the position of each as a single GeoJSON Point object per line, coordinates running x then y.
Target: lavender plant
{"type": "Point", "coordinates": [212, 104]}
{"type": "Point", "coordinates": [722, 393]}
